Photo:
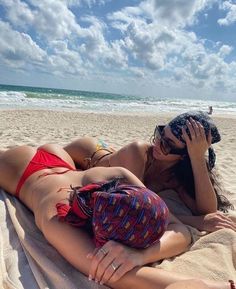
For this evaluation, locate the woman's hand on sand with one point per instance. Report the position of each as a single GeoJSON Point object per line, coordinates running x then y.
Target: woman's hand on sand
{"type": "Point", "coordinates": [197, 143]}
{"type": "Point", "coordinates": [216, 221]}
{"type": "Point", "coordinates": [112, 261]}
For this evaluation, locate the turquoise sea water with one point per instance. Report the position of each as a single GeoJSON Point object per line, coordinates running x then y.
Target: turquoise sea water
{"type": "Point", "coordinates": [24, 97]}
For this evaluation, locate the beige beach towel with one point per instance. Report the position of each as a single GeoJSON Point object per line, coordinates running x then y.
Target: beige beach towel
{"type": "Point", "coordinates": [28, 261]}
{"type": "Point", "coordinates": [211, 256]}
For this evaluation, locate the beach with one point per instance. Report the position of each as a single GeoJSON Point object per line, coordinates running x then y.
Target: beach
{"type": "Point", "coordinates": [37, 127]}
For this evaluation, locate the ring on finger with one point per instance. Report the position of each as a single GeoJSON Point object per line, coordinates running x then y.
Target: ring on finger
{"type": "Point", "coordinates": [103, 251]}
{"type": "Point", "coordinates": [114, 266]}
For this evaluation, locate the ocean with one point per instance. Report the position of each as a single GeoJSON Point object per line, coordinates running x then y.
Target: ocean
{"type": "Point", "coordinates": [24, 97]}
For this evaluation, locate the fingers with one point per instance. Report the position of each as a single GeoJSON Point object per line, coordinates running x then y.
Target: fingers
{"type": "Point", "coordinates": [112, 261]}
{"type": "Point", "coordinates": [197, 132]}
{"type": "Point", "coordinates": [201, 130]}
{"type": "Point", "coordinates": [196, 129]}
{"type": "Point", "coordinates": [105, 261]}
{"type": "Point", "coordinates": [185, 136]}
{"type": "Point", "coordinates": [228, 223]}
{"type": "Point", "coordinates": [96, 258]}
{"type": "Point", "coordinates": [225, 226]}
{"type": "Point", "coordinates": [124, 268]}
{"type": "Point", "coordinates": [106, 268]}
{"type": "Point", "coordinates": [112, 270]}
{"type": "Point", "coordinates": [192, 126]}
{"type": "Point", "coordinates": [90, 255]}
{"type": "Point", "coordinates": [219, 221]}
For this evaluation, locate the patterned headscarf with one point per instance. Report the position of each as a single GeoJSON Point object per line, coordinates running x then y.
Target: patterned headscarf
{"type": "Point", "coordinates": [178, 122]}
{"type": "Point", "coordinates": [132, 215]}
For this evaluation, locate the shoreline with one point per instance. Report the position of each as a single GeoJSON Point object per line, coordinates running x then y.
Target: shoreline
{"type": "Point", "coordinates": [116, 113]}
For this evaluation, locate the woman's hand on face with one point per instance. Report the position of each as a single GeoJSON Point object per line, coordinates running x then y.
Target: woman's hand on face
{"type": "Point", "coordinates": [197, 143]}
{"type": "Point", "coordinates": [216, 221]}
{"type": "Point", "coordinates": [112, 261]}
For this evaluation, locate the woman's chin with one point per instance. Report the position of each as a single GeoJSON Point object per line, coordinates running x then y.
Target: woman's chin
{"type": "Point", "coordinates": [157, 155]}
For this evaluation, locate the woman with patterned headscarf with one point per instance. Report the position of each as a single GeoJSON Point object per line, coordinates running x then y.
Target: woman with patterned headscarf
{"type": "Point", "coordinates": [180, 157]}
{"type": "Point", "coordinates": [176, 159]}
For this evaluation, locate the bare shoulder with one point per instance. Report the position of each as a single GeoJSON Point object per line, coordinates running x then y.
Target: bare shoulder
{"type": "Point", "coordinates": [139, 145]}
{"type": "Point", "coordinates": [133, 157]}
{"type": "Point", "coordinates": [138, 149]}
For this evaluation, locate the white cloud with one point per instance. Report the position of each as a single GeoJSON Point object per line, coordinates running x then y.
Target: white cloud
{"type": "Point", "coordinates": [174, 13]}
{"type": "Point", "coordinates": [225, 50]}
{"type": "Point", "coordinates": [97, 49]}
{"type": "Point", "coordinates": [18, 13]}
{"type": "Point", "coordinates": [51, 19]}
{"type": "Point", "coordinates": [65, 61]}
{"type": "Point", "coordinates": [201, 67]}
{"type": "Point", "coordinates": [158, 46]}
{"type": "Point", "coordinates": [178, 11]}
{"type": "Point", "coordinates": [55, 22]}
{"type": "Point", "coordinates": [150, 46]}
{"type": "Point", "coordinates": [142, 43]}
{"type": "Point", "coordinates": [231, 13]}
{"type": "Point", "coordinates": [18, 49]}
{"type": "Point", "coordinates": [138, 72]}
{"type": "Point", "coordinates": [88, 3]}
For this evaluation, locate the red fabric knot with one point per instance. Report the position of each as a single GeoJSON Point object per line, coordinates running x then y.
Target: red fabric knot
{"type": "Point", "coordinates": [66, 214]}
{"type": "Point", "coordinates": [62, 210]}
{"type": "Point", "coordinates": [91, 187]}
{"type": "Point", "coordinates": [78, 208]}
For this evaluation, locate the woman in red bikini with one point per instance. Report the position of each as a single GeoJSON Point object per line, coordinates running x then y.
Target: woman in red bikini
{"type": "Point", "coordinates": [42, 178]}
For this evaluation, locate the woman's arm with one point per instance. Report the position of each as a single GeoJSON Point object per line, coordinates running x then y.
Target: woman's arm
{"type": "Point", "coordinates": [75, 245]}
{"type": "Point", "coordinates": [210, 222]}
{"type": "Point", "coordinates": [174, 241]}
{"type": "Point", "coordinates": [197, 145]}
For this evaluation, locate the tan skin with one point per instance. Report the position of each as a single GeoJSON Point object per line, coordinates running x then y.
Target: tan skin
{"type": "Point", "coordinates": [190, 284]}
{"type": "Point", "coordinates": [41, 193]}
{"type": "Point", "coordinates": [158, 177]}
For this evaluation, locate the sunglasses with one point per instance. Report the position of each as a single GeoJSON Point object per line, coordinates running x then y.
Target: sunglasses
{"type": "Point", "coordinates": [165, 145]}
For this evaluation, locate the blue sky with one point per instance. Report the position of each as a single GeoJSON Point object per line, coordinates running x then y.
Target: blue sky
{"type": "Point", "coordinates": [163, 48]}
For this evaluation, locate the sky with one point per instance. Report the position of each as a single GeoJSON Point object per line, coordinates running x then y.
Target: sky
{"type": "Point", "coordinates": [163, 48]}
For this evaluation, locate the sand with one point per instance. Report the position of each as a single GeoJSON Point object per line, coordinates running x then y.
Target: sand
{"type": "Point", "coordinates": [34, 127]}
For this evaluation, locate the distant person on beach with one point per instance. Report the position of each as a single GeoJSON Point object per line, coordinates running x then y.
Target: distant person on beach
{"type": "Point", "coordinates": [175, 160]}
{"type": "Point", "coordinates": [47, 182]}
{"type": "Point", "coordinates": [210, 111]}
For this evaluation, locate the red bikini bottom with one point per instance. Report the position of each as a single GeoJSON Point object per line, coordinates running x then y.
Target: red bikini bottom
{"type": "Point", "coordinates": [42, 160]}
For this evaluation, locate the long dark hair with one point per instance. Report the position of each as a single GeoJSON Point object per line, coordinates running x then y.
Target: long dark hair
{"type": "Point", "coordinates": [184, 174]}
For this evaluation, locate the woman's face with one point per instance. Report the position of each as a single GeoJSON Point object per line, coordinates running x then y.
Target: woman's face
{"type": "Point", "coordinates": [166, 146]}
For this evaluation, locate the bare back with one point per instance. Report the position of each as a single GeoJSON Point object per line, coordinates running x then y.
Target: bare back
{"type": "Point", "coordinates": [132, 156]}
{"type": "Point", "coordinates": [138, 158]}
{"type": "Point", "coordinates": [43, 189]}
